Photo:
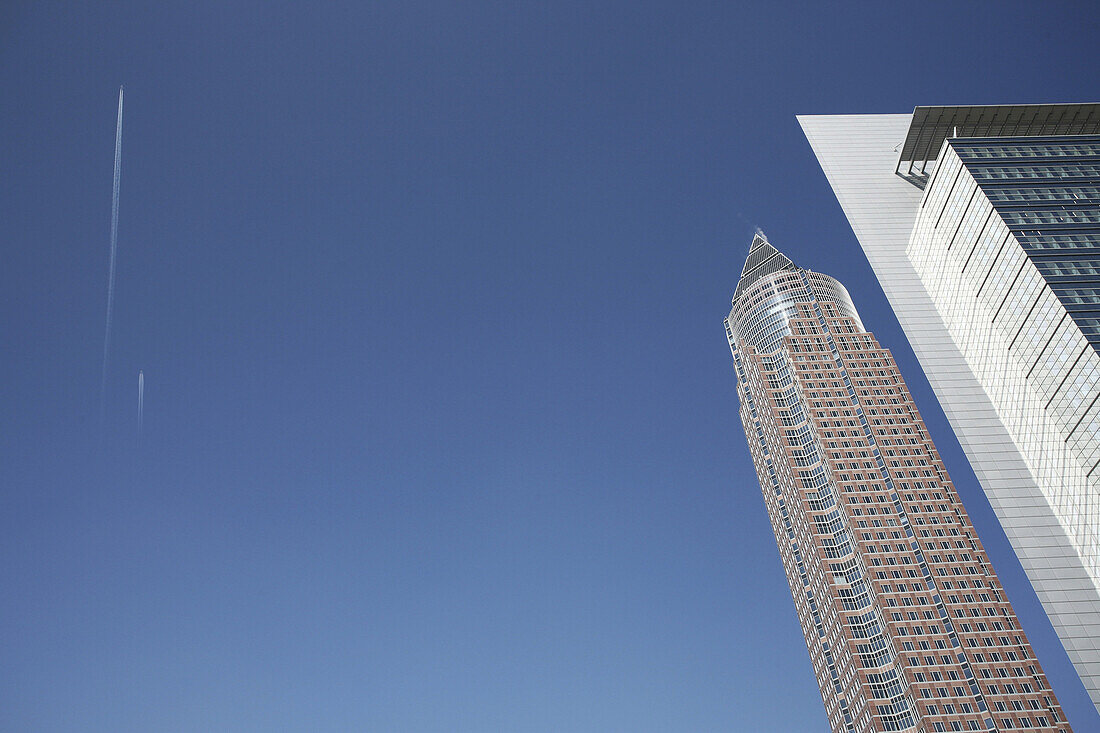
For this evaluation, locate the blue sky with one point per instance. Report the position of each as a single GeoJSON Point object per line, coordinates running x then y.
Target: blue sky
{"type": "Point", "coordinates": [440, 426]}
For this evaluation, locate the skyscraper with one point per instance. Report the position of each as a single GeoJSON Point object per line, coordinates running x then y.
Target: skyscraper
{"type": "Point", "coordinates": [906, 623]}
{"type": "Point", "coordinates": [983, 227]}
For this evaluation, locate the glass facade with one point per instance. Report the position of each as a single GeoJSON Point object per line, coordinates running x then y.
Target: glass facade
{"type": "Point", "coordinates": [1013, 265]}
{"type": "Point", "coordinates": [905, 620]}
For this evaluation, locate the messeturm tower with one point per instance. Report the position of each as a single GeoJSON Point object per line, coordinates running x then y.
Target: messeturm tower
{"type": "Point", "coordinates": [905, 620]}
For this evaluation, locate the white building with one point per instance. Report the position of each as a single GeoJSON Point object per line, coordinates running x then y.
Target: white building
{"type": "Point", "coordinates": [983, 227]}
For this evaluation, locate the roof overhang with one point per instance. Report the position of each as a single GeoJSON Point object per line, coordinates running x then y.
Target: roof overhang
{"type": "Point", "coordinates": [932, 125]}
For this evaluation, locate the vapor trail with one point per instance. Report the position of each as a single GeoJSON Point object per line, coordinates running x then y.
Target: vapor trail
{"type": "Point", "coordinates": [141, 400]}
{"type": "Point", "coordinates": [111, 267]}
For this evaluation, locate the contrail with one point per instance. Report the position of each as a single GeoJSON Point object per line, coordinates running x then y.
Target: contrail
{"type": "Point", "coordinates": [111, 268]}
{"type": "Point", "coordinates": [141, 400]}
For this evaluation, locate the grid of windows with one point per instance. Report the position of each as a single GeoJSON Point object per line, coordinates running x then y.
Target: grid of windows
{"type": "Point", "coordinates": [1045, 194]}
{"type": "Point", "coordinates": [1053, 220]}
{"type": "Point", "coordinates": [905, 620]}
{"type": "Point", "coordinates": [1002, 151]}
{"type": "Point", "coordinates": [1037, 172]}
{"type": "Point", "coordinates": [1037, 240]}
{"type": "Point", "coordinates": [1017, 282]}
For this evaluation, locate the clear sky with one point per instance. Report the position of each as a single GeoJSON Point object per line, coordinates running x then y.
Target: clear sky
{"type": "Point", "coordinates": [440, 427]}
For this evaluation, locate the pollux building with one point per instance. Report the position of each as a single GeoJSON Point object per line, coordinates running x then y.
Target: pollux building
{"type": "Point", "coordinates": [982, 224]}
{"type": "Point", "coordinates": [905, 620]}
